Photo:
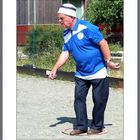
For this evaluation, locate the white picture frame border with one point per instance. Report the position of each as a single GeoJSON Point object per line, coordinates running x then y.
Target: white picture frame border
{"type": "Point", "coordinates": [130, 70]}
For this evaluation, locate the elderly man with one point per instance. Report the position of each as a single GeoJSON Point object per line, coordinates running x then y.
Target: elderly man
{"type": "Point", "coordinates": [91, 53]}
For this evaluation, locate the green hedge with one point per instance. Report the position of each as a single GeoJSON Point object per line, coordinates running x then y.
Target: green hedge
{"type": "Point", "coordinates": [106, 12]}
{"type": "Point", "coordinates": [40, 39]}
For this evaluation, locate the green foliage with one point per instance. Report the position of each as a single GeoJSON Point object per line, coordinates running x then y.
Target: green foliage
{"type": "Point", "coordinates": [105, 33]}
{"type": "Point", "coordinates": [46, 60]}
{"type": "Point", "coordinates": [105, 12]}
{"type": "Point", "coordinates": [44, 39]}
{"type": "Point", "coordinates": [115, 47]}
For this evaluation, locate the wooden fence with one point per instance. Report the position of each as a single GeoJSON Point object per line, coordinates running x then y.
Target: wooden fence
{"type": "Point", "coordinates": [45, 11]}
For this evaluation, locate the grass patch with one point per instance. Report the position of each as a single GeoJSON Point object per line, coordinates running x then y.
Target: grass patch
{"type": "Point", "coordinates": [47, 59]}
{"type": "Point", "coordinates": [115, 47]}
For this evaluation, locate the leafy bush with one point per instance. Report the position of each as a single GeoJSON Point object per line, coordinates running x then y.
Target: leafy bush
{"type": "Point", "coordinates": [115, 47]}
{"type": "Point", "coordinates": [44, 39]}
{"type": "Point", "coordinates": [106, 12]}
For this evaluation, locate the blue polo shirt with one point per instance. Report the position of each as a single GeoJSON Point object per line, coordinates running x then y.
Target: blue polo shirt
{"type": "Point", "coordinates": [82, 42]}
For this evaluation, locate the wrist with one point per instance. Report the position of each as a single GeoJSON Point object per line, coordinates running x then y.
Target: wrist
{"type": "Point", "coordinates": [108, 61]}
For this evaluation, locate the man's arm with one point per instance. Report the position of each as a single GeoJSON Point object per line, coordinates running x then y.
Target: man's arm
{"type": "Point", "coordinates": [107, 56]}
{"type": "Point", "coordinates": [61, 60]}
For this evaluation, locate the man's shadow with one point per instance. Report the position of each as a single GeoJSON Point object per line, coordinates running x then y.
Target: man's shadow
{"type": "Point", "coordinates": [62, 120]}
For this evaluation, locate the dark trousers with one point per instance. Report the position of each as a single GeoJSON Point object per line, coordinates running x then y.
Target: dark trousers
{"type": "Point", "coordinates": [100, 93]}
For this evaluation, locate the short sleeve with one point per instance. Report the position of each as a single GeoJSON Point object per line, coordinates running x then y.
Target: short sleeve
{"type": "Point", "coordinates": [64, 47]}
{"type": "Point", "coordinates": [94, 34]}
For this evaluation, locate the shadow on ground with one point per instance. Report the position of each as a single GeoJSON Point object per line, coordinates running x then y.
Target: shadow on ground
{"type": "Point", "coordinates": [62, 120]}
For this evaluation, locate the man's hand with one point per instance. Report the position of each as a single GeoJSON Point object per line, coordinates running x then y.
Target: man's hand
{"type": "Point", "coordinates": [61, 60]}
{"type": "Point", "coordinates": [51, 74]}
{"type": "Point", "coordinates": [113, 66]}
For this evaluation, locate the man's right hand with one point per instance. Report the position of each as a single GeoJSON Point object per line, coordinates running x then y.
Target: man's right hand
{"type": "Point", "coordinates": [52, 75]}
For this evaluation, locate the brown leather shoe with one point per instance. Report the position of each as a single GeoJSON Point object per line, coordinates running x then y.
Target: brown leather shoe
{"type": "Point", "coordinates": [93, 131]}
{"type": "Point", "coordinates": [77, 132]}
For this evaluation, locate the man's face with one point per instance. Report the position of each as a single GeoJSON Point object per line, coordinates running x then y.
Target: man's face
{"type": "Point", "coordinates": [65, 21]}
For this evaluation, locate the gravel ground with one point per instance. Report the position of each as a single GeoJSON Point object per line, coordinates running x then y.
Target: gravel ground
{"type": "Point", "coordinates": [45, 107]}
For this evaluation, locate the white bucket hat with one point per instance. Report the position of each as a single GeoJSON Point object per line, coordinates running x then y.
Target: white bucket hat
{"type": "Point", "coordinates": [67, 9]}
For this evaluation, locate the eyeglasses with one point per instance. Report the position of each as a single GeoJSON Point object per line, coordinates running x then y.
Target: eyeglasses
{"type": "Point", "coordinates": [61, 18]}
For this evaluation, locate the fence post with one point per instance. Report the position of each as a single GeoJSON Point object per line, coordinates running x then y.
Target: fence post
{"type": "Point", "coordinates": [34, 30]}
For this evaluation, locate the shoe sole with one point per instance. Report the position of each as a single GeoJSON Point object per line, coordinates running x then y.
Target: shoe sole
{"type": "Point", "coordinates": [68, 130]}
{"type": "Point", "coordinates": [101, 133]}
